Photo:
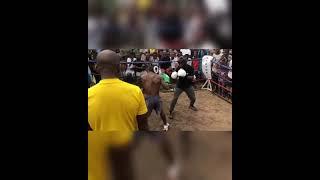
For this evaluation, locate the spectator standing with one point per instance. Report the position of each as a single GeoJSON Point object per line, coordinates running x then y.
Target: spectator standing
{"type": "Point", "coordinates": [217, 55]}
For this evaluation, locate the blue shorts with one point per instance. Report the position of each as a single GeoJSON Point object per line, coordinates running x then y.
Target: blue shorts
{"type": "Point", "coordinates": [154, 103]}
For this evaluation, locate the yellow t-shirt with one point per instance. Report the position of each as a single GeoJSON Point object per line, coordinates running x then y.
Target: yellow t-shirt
{"type": "Point", "coordinates": [113, 106]}
{"type": "Point", "coordinates": [99, 144]}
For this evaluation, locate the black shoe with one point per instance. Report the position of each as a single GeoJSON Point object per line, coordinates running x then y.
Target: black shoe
{"type": "Point", "coordinates": [193, 108]}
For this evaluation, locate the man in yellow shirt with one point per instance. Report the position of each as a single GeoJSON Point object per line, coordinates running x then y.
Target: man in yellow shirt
{"type": "Point", "coordinates": [114, 105]}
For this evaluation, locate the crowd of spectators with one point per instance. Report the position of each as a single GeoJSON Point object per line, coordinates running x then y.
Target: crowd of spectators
{"type": "Point", "coordinates": [135, 61]}
{"type": "Point", "coordinates": [159, 23]}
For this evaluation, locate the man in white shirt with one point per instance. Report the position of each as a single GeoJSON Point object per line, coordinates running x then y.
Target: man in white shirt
{"type": "Point", "coordinates": [185, 51]}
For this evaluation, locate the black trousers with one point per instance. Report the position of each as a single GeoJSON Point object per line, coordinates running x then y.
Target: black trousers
{"type": "Point", "coordinates": [190, 93]}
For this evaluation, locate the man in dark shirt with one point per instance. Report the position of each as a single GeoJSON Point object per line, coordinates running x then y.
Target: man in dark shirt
{"type": "Point", "coordinates": [184, 84]}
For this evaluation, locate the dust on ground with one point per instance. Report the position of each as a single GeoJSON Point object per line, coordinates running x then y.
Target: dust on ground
{"type": "Point", "coordinates": [214, 113]}
{"type": "Point", "coordinates": [210, 157]}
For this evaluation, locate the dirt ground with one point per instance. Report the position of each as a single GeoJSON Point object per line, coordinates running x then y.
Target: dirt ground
{"type": "Point", "coordinates": [214, 113]}
{"type": "Point", "coordinates": [210, 157]}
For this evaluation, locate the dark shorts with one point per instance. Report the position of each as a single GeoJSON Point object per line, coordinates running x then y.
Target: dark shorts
{"type": "Point", "coordinates": [154, 103]}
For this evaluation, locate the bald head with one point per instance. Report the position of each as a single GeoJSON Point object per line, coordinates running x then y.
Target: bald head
{"type": "Point", "coordinates": [108, 63]}
{"type": "Point", "coordinates": [108, 57]}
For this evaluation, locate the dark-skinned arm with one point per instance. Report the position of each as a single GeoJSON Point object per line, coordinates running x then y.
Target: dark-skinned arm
{"type": "Point", "coordinates": [142, 115]}
{"type": "Point", "coordinates": [143, 122]}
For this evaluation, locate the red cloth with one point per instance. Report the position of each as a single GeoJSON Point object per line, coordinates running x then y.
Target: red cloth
{"type": "Point", "coordinates": [167, 71]}
{"type": "Point", "coordinates": [195, 65]}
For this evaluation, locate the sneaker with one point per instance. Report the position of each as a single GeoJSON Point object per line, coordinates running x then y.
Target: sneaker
{"type": "Point", "coordinates": [166, 127]}
{"type": "Point", "coordinates": [193, 108]}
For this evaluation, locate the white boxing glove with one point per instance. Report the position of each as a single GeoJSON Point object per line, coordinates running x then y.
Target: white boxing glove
{"type": "Point", "coordinates": [182, 73]}
{"type": "Point", "coordinates": [174, 75]}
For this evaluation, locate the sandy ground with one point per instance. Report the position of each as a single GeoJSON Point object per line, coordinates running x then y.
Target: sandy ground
{"type": "Point", "coordinates": [214, 113]}
{"type": "Point", "coordinates": [210, 157]}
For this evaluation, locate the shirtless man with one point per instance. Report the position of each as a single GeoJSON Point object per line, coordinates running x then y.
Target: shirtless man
{"type": "Point", "coordinates": [151, 83]}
